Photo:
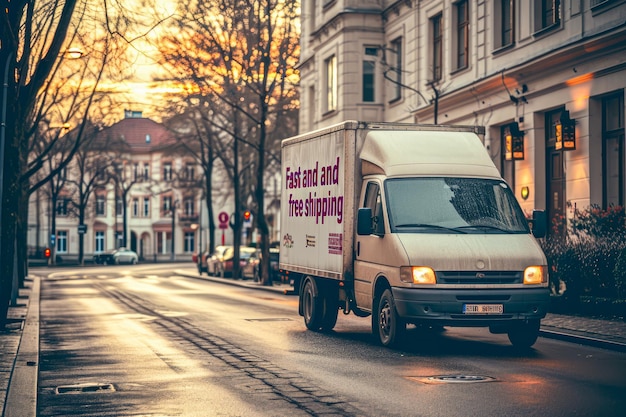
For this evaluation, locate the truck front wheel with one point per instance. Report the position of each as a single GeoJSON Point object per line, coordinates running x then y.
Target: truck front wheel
{"type": "Point", "coordinates": [524, 335]}
{"type": "Point", "coordinates": [386, 323]}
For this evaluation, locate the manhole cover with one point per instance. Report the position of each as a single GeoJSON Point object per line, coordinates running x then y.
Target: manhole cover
{"type": "Point", "coordinates": [453, 379]}
{"type": "Point", "coordinates": [84, 388]}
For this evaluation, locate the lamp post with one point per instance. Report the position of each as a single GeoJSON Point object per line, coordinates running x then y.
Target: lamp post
{"type": "Point", "coordinates": [173, 255]}
{"type": "Point", "coordinates": [3, 118]}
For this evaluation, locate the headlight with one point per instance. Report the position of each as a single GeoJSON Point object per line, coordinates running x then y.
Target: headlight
{"type": "Point", "coordinates": [536, 275]}
{"type": "Point", "coordinates": [418, 275]}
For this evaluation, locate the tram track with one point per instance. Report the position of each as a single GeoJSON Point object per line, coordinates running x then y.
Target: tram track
{"type": "Point", "coordinates": [257, 375]}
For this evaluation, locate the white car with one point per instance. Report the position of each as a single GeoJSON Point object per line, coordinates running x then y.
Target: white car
{"type": "Point", "coordinates": [125, 256]}
{"type": "Point", "coordinates": [117, 256]}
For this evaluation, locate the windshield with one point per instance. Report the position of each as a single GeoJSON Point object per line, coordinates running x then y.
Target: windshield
{"type": "Point", "coordinates": [453, 205]}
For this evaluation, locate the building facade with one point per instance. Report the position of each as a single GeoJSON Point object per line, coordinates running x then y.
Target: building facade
{"type": "Point", "coordinates": [545, 77]}
{"type": "Point", "coordinates": [164, 201]}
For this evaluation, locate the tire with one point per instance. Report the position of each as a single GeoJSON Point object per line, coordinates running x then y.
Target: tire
{"type": "Point", "coordinates": [524, 335]}
{"type": "Point", "coordinates": [331, 312]}
{"type": "Point", "coordinates": [312, 308]}
{"type": "Point", "coordinates": [386, 323]}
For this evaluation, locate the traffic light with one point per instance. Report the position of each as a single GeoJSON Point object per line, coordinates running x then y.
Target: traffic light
{"type": "Point", "coordinates": [47, 252]}
{"type": "Point", "coordinates": [246, 215]}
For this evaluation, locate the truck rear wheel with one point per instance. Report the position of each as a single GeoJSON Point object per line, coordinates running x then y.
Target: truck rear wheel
{"type": "Point", "coordinates": [311, 306]}
{"type": "Point", "coordinates": [331, 311]}
{"type": "Point", "coordinates": [319, 310]}
{"type": "Point", "coordinates": [524, 335]}
{"type": "Point", "coordinates": [386, 323]}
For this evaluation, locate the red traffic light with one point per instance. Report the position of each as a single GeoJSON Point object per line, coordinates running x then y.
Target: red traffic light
{"type": "Point", "coordinates": [246, 215]}
{"type": "Point", "coordinates": [47, 252]}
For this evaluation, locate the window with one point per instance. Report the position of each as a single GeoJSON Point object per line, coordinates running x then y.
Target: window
{"type": "Point", "coordinates": [189, 206]}
{"type": "Point", "coordinates": [331, 83]}
{"type": "Point", "coordinates": [167, 204]}
{"type": "Point", "coordinates": [100, 205]}
{"type": "Point", "coordinates": [119, 237]}
{"type": "Point", "coordinates": [613, 171]}
{"type": "Point", "coordinates": [462, 34]}
{"type": "Point", "coordinates": [394, 73]}
{"type": "Point", "coordinates": [146, 172]}
{"type": "Point", "coordinates": [119, 206]}
{"type": "Point", "coordinates": [148, 138]}
{"type": "Point", "coordinates": [437, 47]}
{"type": "Point", "coordinates": [369, 74]}
{"type": "Point", "coordinates": [373, 200]}
{"type": "Point", "coordinates": [190, 172]}
{"type": "Point", "coordinates": [503, 23]}
{"type": "Point", "coordinates": [99, 241]}
{"type": "Point", "coordinates": [62, 206]}
{"type": "Point", "coordinates": [135, 207]}
{"type": "Point", "coordinates": [547, 14]}
{"type": "Point", "coordinates": [146, 207]}
{"type": "Point", "coordinates": [164, 242]}
{"type": "Point", "coordinates": [62, 241]}
{"type": "Point", "coordinates": [189, 242]}
{"type": "Point", "coordinates": [136, 172]}
{"type": "Point", "coordinates": [167, 171]}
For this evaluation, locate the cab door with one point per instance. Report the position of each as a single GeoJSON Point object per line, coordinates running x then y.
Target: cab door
{"type": "Point", "coordinates": [369, 249]}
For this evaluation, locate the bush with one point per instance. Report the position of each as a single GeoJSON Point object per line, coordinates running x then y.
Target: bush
{"type": "Point", "coordinates": [589, 261]}
{"type": "Point", "coordinates": [619, 273]}
{"type": "Point", "coordinates": [595, 222]}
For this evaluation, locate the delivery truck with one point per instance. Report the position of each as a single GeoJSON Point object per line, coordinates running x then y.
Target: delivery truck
{"type": "Point", "coordinates": [408, 224]}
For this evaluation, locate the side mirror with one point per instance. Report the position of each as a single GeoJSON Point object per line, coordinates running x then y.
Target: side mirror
{"type": "Point", "coordinates": [364, 221]}
{"type": "Point", "coordinates": [540, 223]}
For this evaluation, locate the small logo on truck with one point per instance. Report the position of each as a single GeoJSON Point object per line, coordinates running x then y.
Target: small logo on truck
{"type": "Point", "coordinates": [288, 241]}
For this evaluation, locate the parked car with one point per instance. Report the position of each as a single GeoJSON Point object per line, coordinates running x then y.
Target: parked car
{"type": "Point", "coordinates": [275, 274]}
{"type": "Point", "coordinates": [209, 261]}
{"type": "Point", "coordinates": [249, 261]}
{"type": "Point", "coordinates": [225, 266]}
{"type": "Point", "coordinates": [116, 257]}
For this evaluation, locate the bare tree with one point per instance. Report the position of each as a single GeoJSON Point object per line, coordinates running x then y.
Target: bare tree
{"type": "Point", "coordinates": [240, 54]}
{"type": "Point", "coordinates": [88, 173]}
{"type": "Point", "coordinates": [41, 87]}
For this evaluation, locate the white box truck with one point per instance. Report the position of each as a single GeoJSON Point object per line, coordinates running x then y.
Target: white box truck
{"type": "Point", "coordinates": [409, 224]}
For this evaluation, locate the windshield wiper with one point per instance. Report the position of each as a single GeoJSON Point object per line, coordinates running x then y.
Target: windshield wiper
{"type": "Point", "coordinates": [485, 226]}
{"type": "Point", "coordinates": [432, 226]}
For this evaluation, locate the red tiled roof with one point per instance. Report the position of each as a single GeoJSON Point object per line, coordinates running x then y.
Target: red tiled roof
{"type": "Point", "coordinates": [135, 131]}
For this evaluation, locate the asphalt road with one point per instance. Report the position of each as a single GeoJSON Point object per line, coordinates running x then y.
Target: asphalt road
{"type": "Point", "coordinates": [130, 341]}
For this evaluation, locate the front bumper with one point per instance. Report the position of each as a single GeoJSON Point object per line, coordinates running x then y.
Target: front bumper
{"type": "Point", "coordinates": [445, 306]}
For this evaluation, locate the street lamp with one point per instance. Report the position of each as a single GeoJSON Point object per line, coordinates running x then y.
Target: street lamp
{"type": "Point", "coordinates": [174, 204]}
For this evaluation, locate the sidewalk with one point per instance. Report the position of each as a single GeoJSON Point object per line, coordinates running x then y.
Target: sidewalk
{"type": "Point", "coordinates": [19, 344]}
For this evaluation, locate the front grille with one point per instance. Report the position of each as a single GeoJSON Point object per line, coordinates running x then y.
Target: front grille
{"type": "Point", "coordinates": [480, 277]}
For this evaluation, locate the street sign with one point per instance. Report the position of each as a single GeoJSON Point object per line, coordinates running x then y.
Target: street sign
{"type": "Point", "coordinates": [82, 229]}
{"type": "Point", "coordinates": [223, 219]}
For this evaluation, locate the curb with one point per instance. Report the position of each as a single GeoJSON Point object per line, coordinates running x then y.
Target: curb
{"type": "Point", "coordinates": [583, 340]}
{"type": "Point", "coordinates": [21, 400]}
{"type": "Point", "coordinates": [238, 283]}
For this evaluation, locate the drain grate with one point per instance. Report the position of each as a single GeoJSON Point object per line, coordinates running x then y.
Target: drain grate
{"type": "Point", "coordinates": [454, 379]}
{"type": "Point", "coordinates": [271, 319]}
{"type": "Point", "coordinates": [84, 388]}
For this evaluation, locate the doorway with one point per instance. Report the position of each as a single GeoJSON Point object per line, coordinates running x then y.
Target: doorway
{"type": "Point", "coordinates": [555, 172]}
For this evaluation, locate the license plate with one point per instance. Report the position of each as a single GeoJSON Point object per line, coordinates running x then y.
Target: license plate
{"type": "Point", "coordinates": [483, 309]}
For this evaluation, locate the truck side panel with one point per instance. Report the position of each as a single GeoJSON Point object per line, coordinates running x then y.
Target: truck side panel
{"type": "Point", "coordinates": [317, 201]}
